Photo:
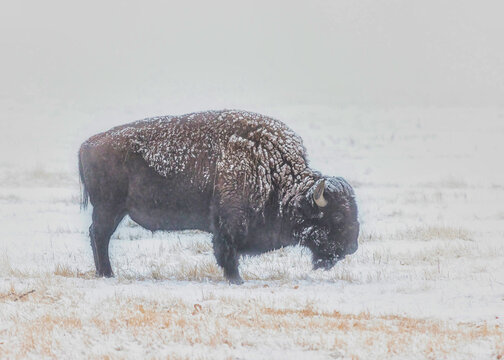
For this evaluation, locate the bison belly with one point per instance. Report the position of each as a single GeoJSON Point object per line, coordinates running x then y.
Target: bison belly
{"type": "Point", "coordinates": [165, 203]}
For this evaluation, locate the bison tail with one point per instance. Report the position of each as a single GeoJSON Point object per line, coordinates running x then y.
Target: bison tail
{"type": "Point", "coordinates": [84, 193]}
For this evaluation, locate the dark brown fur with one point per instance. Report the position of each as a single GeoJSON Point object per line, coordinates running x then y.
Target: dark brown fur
{"type": "Point", "coordinates": [242, 176]}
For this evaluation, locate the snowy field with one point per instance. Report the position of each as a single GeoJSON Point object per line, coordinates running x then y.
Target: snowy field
{"type": "Point", "coordinates": [426, 282]}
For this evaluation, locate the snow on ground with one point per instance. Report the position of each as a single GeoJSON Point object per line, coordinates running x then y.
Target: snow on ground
{"type": "Point", "coordinates": [426, 282]}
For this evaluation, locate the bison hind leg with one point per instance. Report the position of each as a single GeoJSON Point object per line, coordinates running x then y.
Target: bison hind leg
{"type": "Point", "coordinates": [105, 222]}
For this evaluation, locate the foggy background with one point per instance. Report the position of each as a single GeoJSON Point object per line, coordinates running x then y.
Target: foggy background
{"type": "Point", "coordinates": [70, 69]}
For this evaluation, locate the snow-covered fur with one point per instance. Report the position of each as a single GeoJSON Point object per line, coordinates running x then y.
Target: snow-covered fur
{"type": "Point", "coordinates": [247, 170]}
{"type": "Point", "coordinates": [246, 154]}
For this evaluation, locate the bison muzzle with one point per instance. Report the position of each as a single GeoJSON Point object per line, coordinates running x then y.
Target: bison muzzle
{"type": "Point", "coordinates": [242, 176]}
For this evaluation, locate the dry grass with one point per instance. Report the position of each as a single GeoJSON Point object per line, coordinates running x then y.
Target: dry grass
{"type": "Point", "coordinates": [14, 295]}
{"type": "Point", "coordinates": [449, 182]}
{"type": "Point", "coordinates": [419, 233]}
{"type": "Point", "coordinates": [67, 271]}
{"type": "Point", "coordinates": [61, 314]}
{"type": "Point", "coordinates": [428, 233]}
{"type": "Point", "coordinates": [10, 199]}
{"type": "Point", "coordinates": [65, 229]}
{"type": "Point", "coordinates": [227, 323]}
{"type": "Point", "coordinates": [37, 177]}
{"type": "Point", "coordinates": [67, 200]}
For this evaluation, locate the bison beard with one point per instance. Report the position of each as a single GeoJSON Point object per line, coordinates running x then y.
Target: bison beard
{"type": "Point", "coordinates": [242, 176]}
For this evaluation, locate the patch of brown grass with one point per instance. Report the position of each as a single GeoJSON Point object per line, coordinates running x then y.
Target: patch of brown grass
{"type": "Point", "coordinates": [396, 331]}
{"type": "Point", "coordinates": [366, 236]}
{"type": "Point", "coordinates": [65, 270]}
{"type": "Point", "coordinates": [201, 247]}
{"type": "Point", "coordinates": [34, 335]}
{"type": "Point", "coordinates": [428, 233]}
{"type": "Point", "coordinates": [232, 323]}
{"type": "Point", "coordinates": [207, 270]}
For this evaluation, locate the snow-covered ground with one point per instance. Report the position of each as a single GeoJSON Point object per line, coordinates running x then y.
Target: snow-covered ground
{"type": "Point", "coordinates": [426, 282]}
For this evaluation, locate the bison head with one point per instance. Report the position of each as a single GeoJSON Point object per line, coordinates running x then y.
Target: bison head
{"type": "Point", "coordinates": [328, 223]}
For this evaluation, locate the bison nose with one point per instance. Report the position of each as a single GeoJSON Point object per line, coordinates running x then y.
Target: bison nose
{"type": "Point", "coordinates": [354, 242]}
{"type": "Point", "coordinates": [352, 248]}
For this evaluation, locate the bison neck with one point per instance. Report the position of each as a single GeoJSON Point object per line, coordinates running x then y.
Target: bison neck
{"type": "Point", "coordinates": [269, 235]}
{"type": "Point", "coordinates": [273, 229]}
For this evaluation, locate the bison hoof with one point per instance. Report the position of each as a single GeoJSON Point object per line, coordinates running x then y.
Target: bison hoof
{"type": "Point", "coordinates": [235, 281]}
{"type": "Point", "coordinates": [104, 274]}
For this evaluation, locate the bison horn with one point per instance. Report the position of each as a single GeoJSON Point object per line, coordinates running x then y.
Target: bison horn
{"type": "Point", "coordinates": [318, 195]}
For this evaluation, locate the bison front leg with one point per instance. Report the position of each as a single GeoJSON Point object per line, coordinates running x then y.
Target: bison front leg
{"type": "Point", "coordinates": [227, 256]}
{"type": "Point", "coordinates": [229, 211]}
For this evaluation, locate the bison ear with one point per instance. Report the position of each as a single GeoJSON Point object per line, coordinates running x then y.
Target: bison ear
{"type": "Point", "coordinates": [318, 195]}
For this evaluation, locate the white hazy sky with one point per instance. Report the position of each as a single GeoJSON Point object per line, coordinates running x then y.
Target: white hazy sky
{"type": "Point", "coordinates": [95, 54]}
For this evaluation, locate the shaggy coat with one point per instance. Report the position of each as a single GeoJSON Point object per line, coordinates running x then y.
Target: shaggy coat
{"type": "Point", "coordinates": [242, 176]}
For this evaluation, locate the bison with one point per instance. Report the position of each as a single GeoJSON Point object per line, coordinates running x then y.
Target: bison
{"type": "Point", "coordinates": [241, 176]}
